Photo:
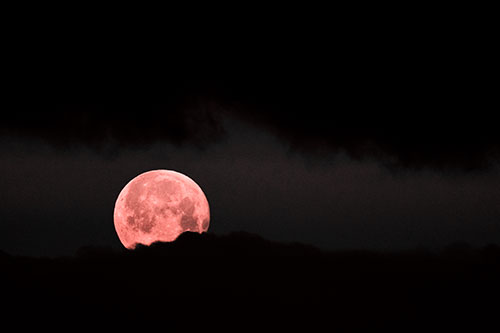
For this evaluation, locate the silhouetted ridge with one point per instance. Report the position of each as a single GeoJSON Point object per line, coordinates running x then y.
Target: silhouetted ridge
{"type": "Point", "coordinates": [234, 244]}
{"type": "Point", "coordinates": [242, 281]}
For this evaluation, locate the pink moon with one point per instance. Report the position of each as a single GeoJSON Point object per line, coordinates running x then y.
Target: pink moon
{"type": "Point", "coordinates": [159, 205]}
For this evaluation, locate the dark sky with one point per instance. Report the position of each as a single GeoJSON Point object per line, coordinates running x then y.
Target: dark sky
{"type": "Point", "coordinates": [382, 145]}
{"type": "Point", "coordinates": [370, 128]}
{"type": "Point", "coordinates": [269, 167]}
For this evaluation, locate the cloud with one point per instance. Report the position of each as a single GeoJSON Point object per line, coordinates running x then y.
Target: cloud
{"type": "Point", "coordinates": [176, 120]}
{"type": "Point", "coordinates": [415, 121]}
{"type": "Point", "coordinates": [408, 118]}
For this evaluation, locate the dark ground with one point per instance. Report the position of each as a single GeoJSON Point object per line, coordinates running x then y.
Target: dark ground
{"type": "Point", "coordinates": [242, 282]}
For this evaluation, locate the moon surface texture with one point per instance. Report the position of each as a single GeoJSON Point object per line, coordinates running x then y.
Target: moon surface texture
{"type": "Point", "coordinates": [159, 205]}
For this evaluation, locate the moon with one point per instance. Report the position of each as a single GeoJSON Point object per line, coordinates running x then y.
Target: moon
{"type": "Point", "coordinates": [159, 205]}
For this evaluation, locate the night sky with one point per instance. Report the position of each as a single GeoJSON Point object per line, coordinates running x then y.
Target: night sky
{"type": "Point", "coordinates": [360, 139]}
{"type": "Point", "coordinates": [349, 161]}
{"type": "Point", "coordinates": [350, 158]}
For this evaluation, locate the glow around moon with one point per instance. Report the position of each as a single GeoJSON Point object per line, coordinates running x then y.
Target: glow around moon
{"type": "Point", "coordinates": [159, 205]}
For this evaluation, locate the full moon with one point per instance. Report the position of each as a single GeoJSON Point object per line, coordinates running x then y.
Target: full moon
{"type": "Point", "coordinates": [159, 205]}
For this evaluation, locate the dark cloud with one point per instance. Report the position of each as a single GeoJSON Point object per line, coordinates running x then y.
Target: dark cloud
{"type": "Point", "coordinates": [410, 114]}
{"type": "Point", "coordinates": [413, 121]}
{"type": "Point", "coordinates": [178, 120]}
{"type": "Point", "coordinates": [416, 94]}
